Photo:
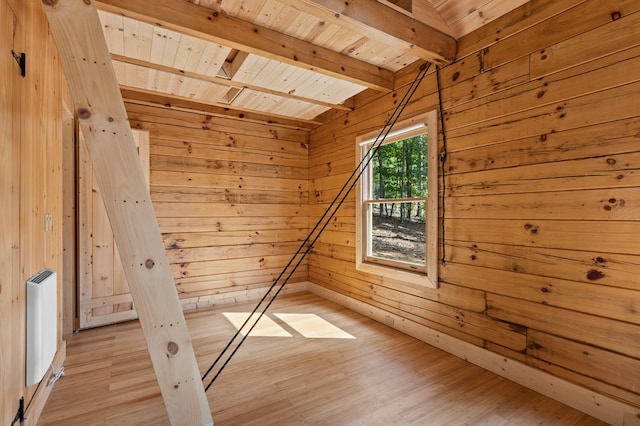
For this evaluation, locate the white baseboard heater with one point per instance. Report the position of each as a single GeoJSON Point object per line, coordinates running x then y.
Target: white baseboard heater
{"type": "Point", "coordinates": [42, 324]}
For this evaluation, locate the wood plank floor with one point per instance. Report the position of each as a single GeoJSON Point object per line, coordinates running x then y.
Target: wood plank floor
{"type": "Point", "coordinates": [379, 377]}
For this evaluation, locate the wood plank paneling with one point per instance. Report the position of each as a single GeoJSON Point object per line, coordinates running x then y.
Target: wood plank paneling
{"type": "Point", "coordinates": [203, 121]}
{"type": "Point", "coordinates": [507, 25]}
{"type": "Point", "coordinates": [184, 210]}
{"type": "Point", "coordinates": [233, 238]}
{"type": "Point", "coordinates": [608, 171]}
{"type": "Point", "coordinates": [228, 195]}
{"type": "Point", "coordinates": [595, 236]}
{"type": "Point", "coordinates": [541, 201]}
{"type": "Point", "coordinates": [556, 29]}
{"type": "Point", "coordinates": [609, 302]}
{"type": "Point", "coordinates": [595, 331]}
{"type": "Point", "coordinates": [591, 204]}
{"type": "Point", "coordinates": [210, 180]}
{"type": "Point", "coordinates": [31, 187]}
{"type": "Point", "coordinates": [452, 295]}
{"type": "Point", "coordinates": [566, 115]}
{"type": "Point", "coordinates": [223, 224]}
{"type": "Point", "coordinates": [599, 42]}
{"type": "Point", "coordinates": [617, 270]}
{"type": "Point", "coordinates": [614, 137]}
{"type": "Point", "coordinates": [231, 199]}
{"type": "Point", "coordinates": [202, 150]}
{"type": "Point", "coordinates": [232, 139]}
{"type": "Point", "coordinates": [215, 165]}
{"type": "Point", "coordinates": [559, 87]}
{"type": "Point", "coordinates": [587, 360]}
{"type": "Point", "coordinates": [10, 314]}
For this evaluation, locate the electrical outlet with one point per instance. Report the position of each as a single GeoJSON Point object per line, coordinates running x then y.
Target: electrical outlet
{"type": "Point", "coordinates": [388, 320]}
{"type": "Point", "coordinates": [48, 222]}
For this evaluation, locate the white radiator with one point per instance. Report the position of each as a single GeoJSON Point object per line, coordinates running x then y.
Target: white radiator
{"type": "Point", "coordinates": [42, 324]}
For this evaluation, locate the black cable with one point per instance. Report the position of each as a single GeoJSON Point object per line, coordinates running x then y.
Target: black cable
{"type": "Point", "coordinates": [443, 160]}
{"type": "Point", "coordinates": [367, 158]}
{"type": "Point", "coordinates": [329, 213]}
{"type": "Point", "coordinates": [20, 414]}
{"type": "Point", "coordinates": [391, 120]}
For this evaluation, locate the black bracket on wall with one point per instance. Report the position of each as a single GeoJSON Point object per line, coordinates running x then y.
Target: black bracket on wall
{"type": "Point", "coordinates": [21, 59]}
{"type": "Point", "coordinates": [20, 414]}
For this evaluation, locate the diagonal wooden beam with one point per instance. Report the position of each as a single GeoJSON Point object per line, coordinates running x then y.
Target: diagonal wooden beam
{"type": "Point", "coordinates": [218, 27]}
{"type": "Point", "coordinates": [428, 40]}
{"type": "Point", "coordinates": [85, 60]}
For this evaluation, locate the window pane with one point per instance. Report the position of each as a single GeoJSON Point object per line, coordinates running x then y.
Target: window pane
{"type": "Point", "coordinates": [398, 232]}
{"type": "Point", "coordinates": [399, 169]}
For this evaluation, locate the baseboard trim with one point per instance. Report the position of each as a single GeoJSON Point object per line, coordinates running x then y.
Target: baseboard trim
{"type": "Point", "coordinates": [37, 403]}
{"type": "Point", "coordinates": [240, 296]}
{"type": "Point", "coordinates": [596, 405]}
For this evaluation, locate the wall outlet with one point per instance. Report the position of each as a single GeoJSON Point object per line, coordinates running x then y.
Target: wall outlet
{"type": "Point", "coordinates": [48, 222]}
{"type": "Point", "coordinates": [388, 320]}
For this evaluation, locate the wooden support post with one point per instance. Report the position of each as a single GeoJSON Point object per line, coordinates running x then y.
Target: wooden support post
{"type": "Point", "coordinates": [85, 58]}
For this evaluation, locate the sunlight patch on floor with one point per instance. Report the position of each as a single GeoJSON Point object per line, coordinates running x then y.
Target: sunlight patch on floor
{"type": "Point", "coordinates": [310, 326]}
{"type": "Point", "coordinates": [266, 327]}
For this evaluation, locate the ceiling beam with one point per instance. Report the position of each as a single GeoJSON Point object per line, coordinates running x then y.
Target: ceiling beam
{"type": "Point", "coordinates": [239, 112]}
{"type": "Point", "coordinates": [148, 97]}
{"type": "Point", "coordinates": [223, 81]}
{"type": "Point", "coordinates": [84, 56]}
{"type": "Point", "coordinates": [218, 27]}
{"type": "Point", "coordinates": [386, 24]}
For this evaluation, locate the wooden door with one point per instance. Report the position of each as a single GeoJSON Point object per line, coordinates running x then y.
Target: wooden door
{"type": "Point", "coordinates": [103, 291]}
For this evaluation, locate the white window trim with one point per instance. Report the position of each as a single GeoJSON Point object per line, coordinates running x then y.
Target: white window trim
{"type": "Point", "coordinates": [430, 277]}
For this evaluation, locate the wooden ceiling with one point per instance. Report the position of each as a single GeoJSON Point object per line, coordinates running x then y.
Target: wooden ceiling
{"type": "Point", "coordinates": [285, 61]}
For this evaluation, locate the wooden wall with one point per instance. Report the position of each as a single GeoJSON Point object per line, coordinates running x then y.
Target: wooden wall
{"type": "Point", "coordinates": [542, 115]}
{"type": "Point", "coordinates": [30, 186]}
{"type": "Point", "coordinates": [231, 198]}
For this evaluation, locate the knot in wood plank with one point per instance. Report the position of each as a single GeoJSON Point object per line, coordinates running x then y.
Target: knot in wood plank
{"type": "Point", "coordinates": [83, 113]}
{"type": "Point", "coordinates": [172, 349]}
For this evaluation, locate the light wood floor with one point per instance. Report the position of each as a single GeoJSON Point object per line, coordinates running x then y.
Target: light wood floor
{"type": "Point", "coordinates": [381, 377]}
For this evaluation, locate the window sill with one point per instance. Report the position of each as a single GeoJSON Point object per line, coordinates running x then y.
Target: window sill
{"type": "Point", "coordinates": [407, 277]}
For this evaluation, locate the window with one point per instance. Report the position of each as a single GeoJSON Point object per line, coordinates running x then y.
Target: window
{"type": "Point", "coordinates": [397, 208]}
